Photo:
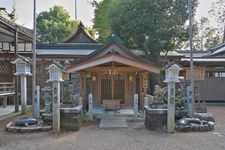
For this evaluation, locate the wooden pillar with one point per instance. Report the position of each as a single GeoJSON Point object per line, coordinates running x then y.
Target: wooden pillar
{"type": "Point", "coordinates": [16, 97]}
{"type": "Point", "coordinates": [99, 87]}
{"type": "Point", "coordinates": [144, 87]}
{"type": "Point", "coordinates": [141, 87]}
{"type": "Point", "coordinates": [126, 91]}
{"type": "Point", "coordinates": [5, 101]}
{"type": "Point", "coordinates": [43, 72]}
{"type": "Point", "coordinates": [84, 90]}
{"type": "Point", "coordinates": [134, 84]}
{"type": "Point", "coordinates": [112, 80]}
{"type": "Point", "coordinates": [81, 84]}
{"type": "Point", "coordinates": [145, 82]}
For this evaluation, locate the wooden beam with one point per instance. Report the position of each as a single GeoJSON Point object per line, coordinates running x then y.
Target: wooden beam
{"type": "Point", "coordinates": [114, 58]}
{"type": "Point", "coordinates": [120, 69]}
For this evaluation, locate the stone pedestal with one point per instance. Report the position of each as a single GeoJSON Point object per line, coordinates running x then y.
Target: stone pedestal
{"type": "Point", "coordinates": [155, 119]}
{"type": "Point", "coordinates": [23, 94]}
{"type": "Point", "coordinates": [71, 118]}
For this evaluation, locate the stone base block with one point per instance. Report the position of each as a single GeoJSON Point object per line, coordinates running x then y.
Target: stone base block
{"type": "Point", "coordinates": [70, 121]}
{"type": "Point", "coordinates": [154, 122]}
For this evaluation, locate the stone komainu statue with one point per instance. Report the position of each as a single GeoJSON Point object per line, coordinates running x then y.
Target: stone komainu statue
{"type": "Point", "coordinates": [68, 94]}
{"type": "Point", "coordinates": [159, 94]}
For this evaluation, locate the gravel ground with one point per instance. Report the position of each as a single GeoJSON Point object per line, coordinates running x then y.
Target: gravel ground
{"type": "Point", "coordinates": [136, 137]}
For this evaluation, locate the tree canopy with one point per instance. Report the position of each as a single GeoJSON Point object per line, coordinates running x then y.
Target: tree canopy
{"type": "Point", "coordinates": [152, 26]}
{"type": "Point", "coordinates": [101, 19]}
{"type": "Point", "coordinates": [54, 26]}
{"type": "Point", "coordinates": [204, 35]}
{"type": "Point", "coordinates": [218, 12]}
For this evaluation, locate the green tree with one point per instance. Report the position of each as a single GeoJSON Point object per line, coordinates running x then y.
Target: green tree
{"type": "Point", "coordinates": [205, 36]}
{"type": "Point", "coordinates": [212, 39]}
{"type": "Point", "coordinates": [101, 19]}
{"type": "Point", "coordinates": [218, 12]}
{"type": "Point", "coordinates": [54, 26]}
{"type": "Point", "coordinates": [204, 28]}
{"type": "Point", "coordinates": [153, 26]}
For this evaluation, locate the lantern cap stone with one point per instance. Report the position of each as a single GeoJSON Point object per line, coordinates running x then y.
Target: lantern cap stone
{"type": "Point", "coordinates": [172, 63]}
{"type": "Point", "coordinates": [22, 58]}
{"type": "Point", "coordinates": [56, 64]}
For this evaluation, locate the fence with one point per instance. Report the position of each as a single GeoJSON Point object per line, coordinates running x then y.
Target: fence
{"type": "Point", "coordinates": [7, 88]}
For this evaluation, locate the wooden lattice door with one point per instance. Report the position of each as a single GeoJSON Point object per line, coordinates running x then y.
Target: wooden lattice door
{"type": "Point", "coordinates": [119, 90]}
{"type": "Point", "coordinates": [112, 88]}
{"type": "Point", "coordinates": [106, 89]}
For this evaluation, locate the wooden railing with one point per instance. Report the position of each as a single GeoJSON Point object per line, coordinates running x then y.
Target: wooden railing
{"type": "Point", "coordinates": [7, 88]}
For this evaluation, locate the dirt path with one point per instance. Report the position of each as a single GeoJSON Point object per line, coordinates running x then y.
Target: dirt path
{"type": "Point", "coordinates": [136, 137]}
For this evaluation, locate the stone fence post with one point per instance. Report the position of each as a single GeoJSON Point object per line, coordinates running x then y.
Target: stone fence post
{"type": "Point", "coordinates": [135, 106]}
{"type": "Point", "coordinates": [90, 106]}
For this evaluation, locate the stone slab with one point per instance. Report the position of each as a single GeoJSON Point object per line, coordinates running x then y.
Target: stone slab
{"type": "Point", "coordinates": [10, 127]}
{"type": "Point", "coordinates": [113, 122]}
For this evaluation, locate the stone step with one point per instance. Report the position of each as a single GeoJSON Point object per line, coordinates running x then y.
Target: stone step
{"type": "Point", "coordinates": [113, 122]}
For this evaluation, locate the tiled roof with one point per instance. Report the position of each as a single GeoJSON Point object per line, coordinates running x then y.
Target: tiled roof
{"type": "Point", "coordinates": [80, 36]}
{"type": "Point", "coordinates": [12, 24]}
{"type": "Point", "coordinates": [217, 50]}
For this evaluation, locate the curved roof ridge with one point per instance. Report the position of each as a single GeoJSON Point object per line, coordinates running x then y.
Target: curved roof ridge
{"type": "Point", "coordinates": [125, 49]}
{"type": "Point", "coordinates": [76, 37]}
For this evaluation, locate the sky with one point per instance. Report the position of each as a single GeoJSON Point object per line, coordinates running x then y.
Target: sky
{"type": "Point", "coordinates": [85, 10]}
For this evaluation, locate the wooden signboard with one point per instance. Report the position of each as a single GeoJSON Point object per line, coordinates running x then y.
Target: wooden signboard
{"type": "Point", "coordinates": [145, 80]}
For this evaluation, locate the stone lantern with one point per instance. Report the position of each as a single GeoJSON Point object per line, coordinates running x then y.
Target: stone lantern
{"type": "Point", "coordinates": [172, 73]}
{"type": "Point", "coordinates": [55, 72]}
{"type": "Point", "coordinates": [23, 67]}
{"type": "Point", "coordinates": [172, 76]}
{"type": "Point", "coordinates": [55, 76]}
